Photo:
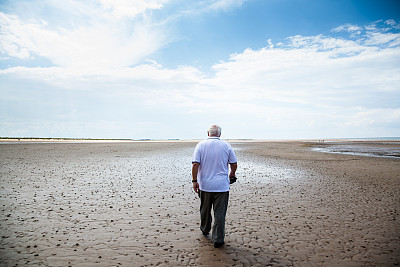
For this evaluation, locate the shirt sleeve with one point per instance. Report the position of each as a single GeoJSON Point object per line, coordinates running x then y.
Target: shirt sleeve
{"type": "Point", "coordinates": [196, 155]}
{"type": "Point", "coordinates": [232, 156]}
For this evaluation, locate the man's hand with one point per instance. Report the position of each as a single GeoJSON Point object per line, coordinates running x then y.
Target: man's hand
{"type": "Point", "coordinates": [196, 187]}
{"type": "Point", "coordinates": [233, 170]}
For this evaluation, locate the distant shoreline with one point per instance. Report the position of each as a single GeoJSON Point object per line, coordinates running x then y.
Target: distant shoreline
{"type": "Point", "coordinates": [34, 139]}
{"type": "Point", "coordinates": [50, 139]}
{"type": "Point", "coordinates": [312, 140]}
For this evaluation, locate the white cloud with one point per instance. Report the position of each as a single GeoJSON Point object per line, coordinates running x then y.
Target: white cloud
{"type": "Point", "coordinates": [378, 38]}
{"type": "Point", "coordinates": [127, 8]}
{"type": "Point", "coordinates": [391, 22]}
{"type": "Point", "coordinates": [101, 42]}
{"type": "Point", "coordinates": [348, 28]}
{"type": "Point", "coordinates": [92, 34]}
{"type": "Point", "coordinates": [13, 41]}
{"type": "Point", "coordinates": [310, 72]}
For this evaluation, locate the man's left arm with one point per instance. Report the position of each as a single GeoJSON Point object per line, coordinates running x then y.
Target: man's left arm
{"type": "Point", "coordinates": [233, 169]}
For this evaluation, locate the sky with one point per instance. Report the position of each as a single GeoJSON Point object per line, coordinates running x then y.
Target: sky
{"type": "Point", "coordinates": [168, 69]}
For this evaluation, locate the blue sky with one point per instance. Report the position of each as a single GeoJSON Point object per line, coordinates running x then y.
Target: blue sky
{"type": "Point", "coordinates": [262, 69]}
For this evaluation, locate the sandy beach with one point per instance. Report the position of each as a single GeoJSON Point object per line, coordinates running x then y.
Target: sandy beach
{"type": "Point", "coordinates": [132, 204]}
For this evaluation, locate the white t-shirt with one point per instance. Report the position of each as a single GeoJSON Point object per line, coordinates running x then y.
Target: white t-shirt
{"type": "Point", "coordinates": [213, 155]}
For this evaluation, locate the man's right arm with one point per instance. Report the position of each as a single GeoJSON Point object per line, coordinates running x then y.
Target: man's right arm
{"type": "Point", "coordinates": [195, 170]}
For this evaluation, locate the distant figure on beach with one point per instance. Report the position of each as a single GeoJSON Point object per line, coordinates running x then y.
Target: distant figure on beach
{"type": "Point", "coordinates": [211, 179]}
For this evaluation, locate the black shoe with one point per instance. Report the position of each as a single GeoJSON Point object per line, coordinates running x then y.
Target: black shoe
{"type": "Point", "coordinates": [205, 233]}
{"type": "Point", "coordinates": [218, 244]}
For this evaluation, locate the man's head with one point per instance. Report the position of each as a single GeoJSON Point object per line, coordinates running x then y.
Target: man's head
{"type": "Point", "coordinates": [214, 130]}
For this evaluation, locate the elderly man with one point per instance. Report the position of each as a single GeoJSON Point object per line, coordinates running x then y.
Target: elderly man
{"type": "Point", "coordinates": [211, 178]}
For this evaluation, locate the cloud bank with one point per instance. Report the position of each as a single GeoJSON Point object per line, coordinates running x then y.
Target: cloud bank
{"type": "Point", "coordinates": [103, 82]}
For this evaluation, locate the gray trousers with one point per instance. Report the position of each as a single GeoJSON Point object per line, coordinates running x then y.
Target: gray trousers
{"type": "Point", "coordinates": [219, 202]}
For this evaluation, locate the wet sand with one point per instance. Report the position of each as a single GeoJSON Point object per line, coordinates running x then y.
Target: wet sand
{"type": "Point", "coordinates": [131, 204]}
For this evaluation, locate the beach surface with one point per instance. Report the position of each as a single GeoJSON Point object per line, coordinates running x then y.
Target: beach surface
{"type": "Point", "coordinates": [132, 204]}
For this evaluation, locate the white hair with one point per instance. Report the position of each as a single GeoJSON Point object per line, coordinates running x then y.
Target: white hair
{"type": "Point", "coordinates": [214, 130]}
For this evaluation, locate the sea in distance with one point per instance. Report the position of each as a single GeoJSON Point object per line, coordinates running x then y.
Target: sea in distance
{"type": "Point", "coordinates": [388, 147]}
